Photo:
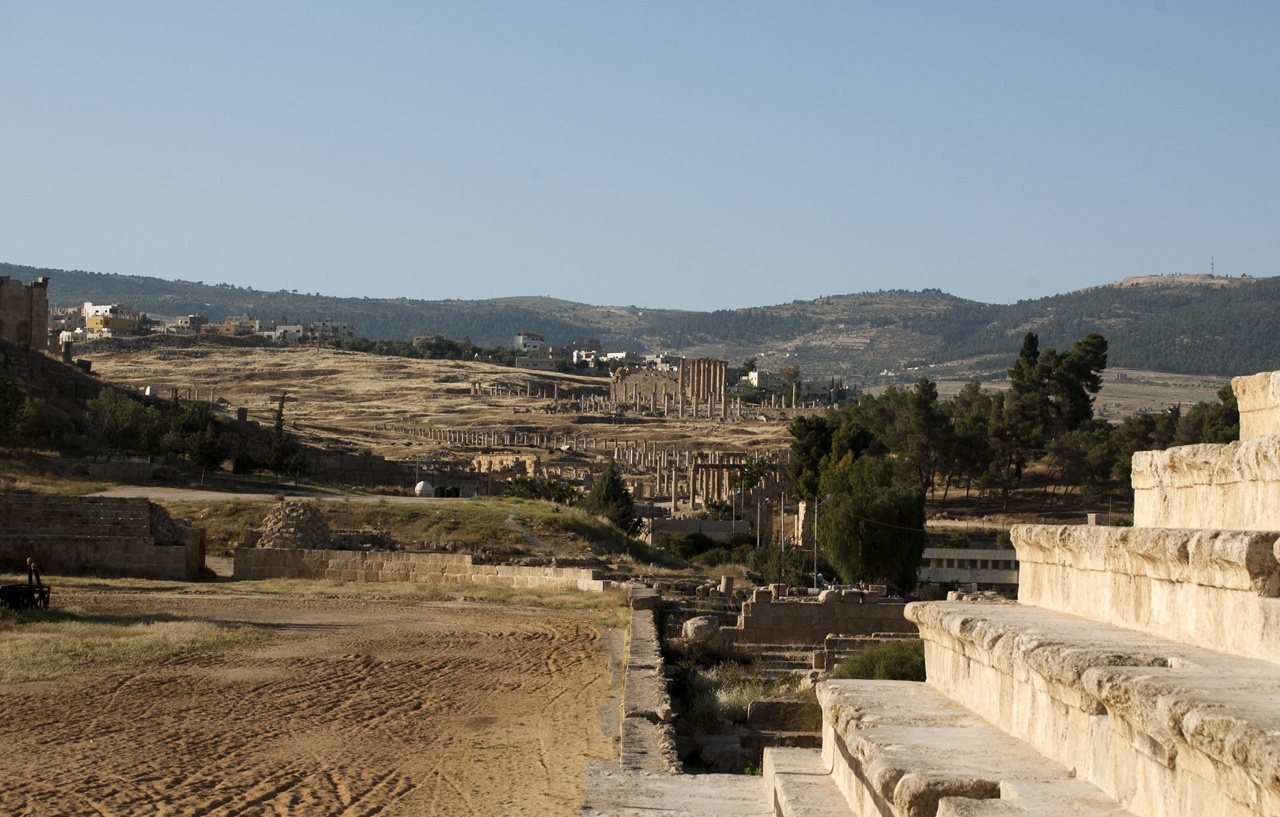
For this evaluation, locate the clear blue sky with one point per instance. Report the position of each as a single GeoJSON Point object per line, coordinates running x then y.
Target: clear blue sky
{"type": "Point", "coordinates": [686, 154]}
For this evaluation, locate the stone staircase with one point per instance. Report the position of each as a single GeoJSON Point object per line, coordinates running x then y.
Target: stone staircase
{"type": "Point", "coordinates": [27, 515]}
{"type": "Point", "coordinates": [774, 661]}
{"type": "Point", "coordinates": [1137, 675]}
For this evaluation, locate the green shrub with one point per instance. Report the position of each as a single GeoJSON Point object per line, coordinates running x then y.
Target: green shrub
{"type": "Point", "coordinates": [891, 661]}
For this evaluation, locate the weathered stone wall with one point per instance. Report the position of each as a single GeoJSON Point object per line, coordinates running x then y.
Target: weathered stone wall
{"type": "Point", "coordinates": [24, 312]}
{"type": "Point", "coordinates": [1228, 487]}
{"type": "Point", "coordinates": [132, 537]}
{"type": "Point", "coordinates": [795, 621]}
{"type": "Point", "coordinates": [406, 566]}
{"type": "Point", "coordinates": [1194, 586]}
{"type": "Point", "coordinates": [1167, 730]}
{"type": "Point", "coordinates": [1258, 398]}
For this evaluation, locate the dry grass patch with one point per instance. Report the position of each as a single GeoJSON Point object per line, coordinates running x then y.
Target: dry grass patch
{"type": "Point", "coordinates": [50, 644]}
{"type": "Point", "coordinates": [25, 469]}
{"type": "Point", "coordinates": [417, 592]}
{"type": "Point", "coordinates": [469, 526]}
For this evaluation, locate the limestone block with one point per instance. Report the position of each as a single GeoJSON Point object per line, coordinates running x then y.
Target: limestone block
{"type": "Point", "coordinates": [1163, 728]}
{"type": "Point", "coordinates": [902, 748]}
{"type": "Point", "coordinates": [1233, 487]}
{"type": "Point", "coordinates": [701, 629]}
{"type": "Point", "coordinates": [762, 596]}
{"type": "Point", "coordinates": [642, 598]}
{"type": "Point", "coordinates": [1192, 586]}
{"type": "Point", "coordinates": [1258, 398]}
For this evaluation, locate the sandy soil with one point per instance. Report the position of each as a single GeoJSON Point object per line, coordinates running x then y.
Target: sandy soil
{"type": "Point", "coordinates": [357, 708]}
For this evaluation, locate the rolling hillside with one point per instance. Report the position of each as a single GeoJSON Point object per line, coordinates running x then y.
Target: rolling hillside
{"type": "Point", "coordinates": [1195, 324]}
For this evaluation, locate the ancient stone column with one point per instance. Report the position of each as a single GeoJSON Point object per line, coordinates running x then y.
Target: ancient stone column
{"type": "Point", "coordinates": [680, 392]}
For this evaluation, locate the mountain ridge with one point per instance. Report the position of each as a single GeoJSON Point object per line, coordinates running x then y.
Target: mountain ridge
{"type": "Point", "coordinates": [1187, 324]}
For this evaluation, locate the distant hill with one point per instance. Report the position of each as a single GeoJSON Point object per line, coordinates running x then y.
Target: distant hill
{"type": "Point", "coordinates": [1192, 324]}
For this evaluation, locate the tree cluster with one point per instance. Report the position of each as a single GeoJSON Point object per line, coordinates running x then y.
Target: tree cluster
{"type": "Point", "coordinates": [185, 428]}
{"type": "Point", "coordinates": [871, 463]}
{"type": "Point", "coordinates": [551, 490]}
{"type": "Point", "coordinates": [610, 498]}
{"type": "Point", "coordinates": [28, 418]}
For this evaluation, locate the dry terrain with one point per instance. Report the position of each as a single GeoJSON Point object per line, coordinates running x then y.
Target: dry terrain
{"type": "Point", "coordinates": [360, 401]}
{"type": "Point", "coordinates": [356, 705]}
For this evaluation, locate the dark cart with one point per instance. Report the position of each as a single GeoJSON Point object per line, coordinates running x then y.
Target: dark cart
{"type": "Point", "coordinates": [19, 597]}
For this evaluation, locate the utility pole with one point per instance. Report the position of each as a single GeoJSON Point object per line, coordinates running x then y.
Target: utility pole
{"type": "Point", "coordinates": [782, 548]}
{"type": "Point", "coordinates": [817, 505]}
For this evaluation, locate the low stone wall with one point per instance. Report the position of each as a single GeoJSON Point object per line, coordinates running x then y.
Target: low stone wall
{"type": "Point", "coordinates": [406, 566]}
{"type": "Point", "coordinates": [647, 741]}
{"type": "Point", "coordinates": [1200, 587]}
{"type": "Point", "coordinates": [795, 621]}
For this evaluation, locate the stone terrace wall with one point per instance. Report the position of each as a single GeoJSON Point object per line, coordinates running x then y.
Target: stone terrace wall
{"type": "Point", "coordinates": [788, 621]}
{"type": "Point", "coordinates": [406, 566]}
{"type": "Point", "coordinates": [1227, 487]}
{"type": "Point", "coordinates": [1199, 587]}
{"type": "Point", "coordinates": [117, 535]}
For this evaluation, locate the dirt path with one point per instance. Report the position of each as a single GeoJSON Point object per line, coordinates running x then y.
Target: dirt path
{"type": "Point", "coordinates": [357, 708]}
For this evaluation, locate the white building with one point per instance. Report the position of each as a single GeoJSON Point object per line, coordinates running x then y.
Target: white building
{"type": "Point", "coordinates": [529, 342]}
{"type": "Point", "coordinates": [989, 569]}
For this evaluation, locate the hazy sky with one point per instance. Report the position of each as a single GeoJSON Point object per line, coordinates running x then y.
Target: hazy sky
{"type": "Point", "coordinates": [687, 154]}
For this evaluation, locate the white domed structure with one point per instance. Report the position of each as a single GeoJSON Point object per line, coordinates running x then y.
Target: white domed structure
{"type": "Point", "coordinates": [424, 489]}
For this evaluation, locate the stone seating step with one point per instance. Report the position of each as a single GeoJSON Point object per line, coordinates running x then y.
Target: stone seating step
{"type": "Point", "coordinates": [1168, 729]}
{"type": "Point", "coordinates": [50, 526]}
{"type": "Point", "coordinates": [801, 786]}
{"type": "Point", "coordinates": [35, 540]}
{"type": "Point", "coordinates": [902, 748]}
{"type": "Point", "coordinates": [615, 793]}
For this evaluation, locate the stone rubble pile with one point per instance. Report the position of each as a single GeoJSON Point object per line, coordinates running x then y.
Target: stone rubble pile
{"type": "Point", "coordinates": [293, 525]}
{"type": "Point", "coordinates": [977, 595]}
{"type": "Point", "coordinates": [167, 530]}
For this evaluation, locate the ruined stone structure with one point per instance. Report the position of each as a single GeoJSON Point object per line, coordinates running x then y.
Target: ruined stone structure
{"type": "Point", "coordinates": [130, 537]}
{"type": "Point", "coordinates": [652, 471]}
{"type": "Point", "coordinates": [1137, 675]}
{"type": "Point", "coordinates": [295, 525]}
{"type": "Point", "coordinates": [697, 386]}
{"type": "Point", "coordinates": [766, 620]}
{"type": "Point", "coordinates": [24, 312]}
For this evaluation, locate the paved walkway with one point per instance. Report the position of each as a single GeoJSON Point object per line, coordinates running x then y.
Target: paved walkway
{"type": "Point", "coordinates": [194, 495]}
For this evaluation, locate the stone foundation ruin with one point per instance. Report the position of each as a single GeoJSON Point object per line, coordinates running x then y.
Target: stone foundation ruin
{"type": "Point", "coordinates": [73, 534]}
{"type": "Point", "coordinates": [295, 542]}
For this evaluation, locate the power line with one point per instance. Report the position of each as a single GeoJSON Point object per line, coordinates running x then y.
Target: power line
{"type": "Point", "coordinates": [886, 524]}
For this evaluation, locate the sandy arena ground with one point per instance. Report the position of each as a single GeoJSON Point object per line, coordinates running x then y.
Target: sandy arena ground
{"type": "Point", "coordinates": [357, 707]}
